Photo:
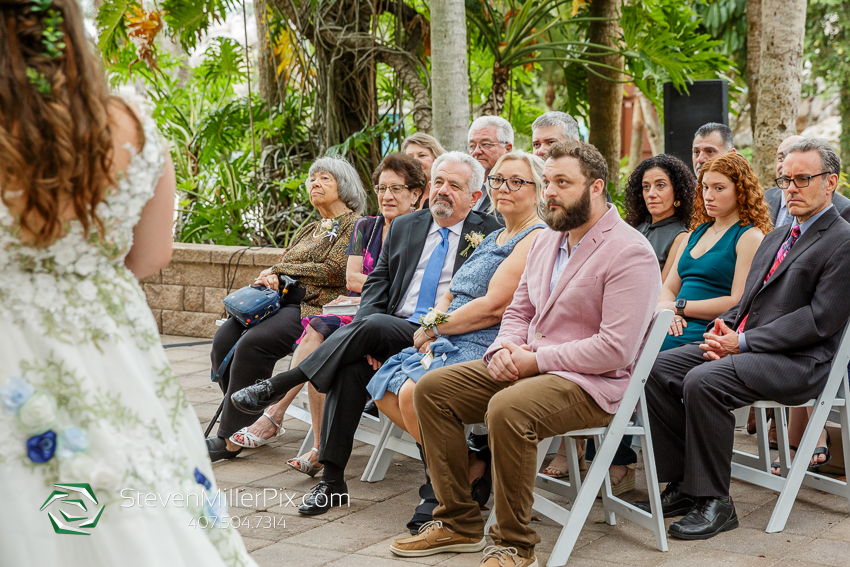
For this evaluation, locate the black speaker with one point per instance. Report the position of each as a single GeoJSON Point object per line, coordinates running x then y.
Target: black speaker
{"type": "Point", "coordinates": [684, 113]}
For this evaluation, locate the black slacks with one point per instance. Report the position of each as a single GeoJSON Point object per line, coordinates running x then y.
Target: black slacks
{"type": "Point", "coordinates": [256, 354]}
{"type": "Point", "coordinates": [339, 369]}
{"type": "Point", "coordinates": [690, 401]}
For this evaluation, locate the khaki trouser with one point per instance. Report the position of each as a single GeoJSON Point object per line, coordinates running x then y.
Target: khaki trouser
{"type": "Point", "coordinates": [518, 414]}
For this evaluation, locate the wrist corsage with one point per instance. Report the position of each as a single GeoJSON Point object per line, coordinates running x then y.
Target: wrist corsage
{"type": "Point", "coordinates": [432, 319]}
{"type": "Point", "coordinates": [474, 239]}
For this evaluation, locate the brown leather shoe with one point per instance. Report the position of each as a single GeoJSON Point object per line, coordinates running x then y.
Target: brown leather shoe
{"type": "Point", "coordinates": [433, 538]}
{"type": "Point", "coordinates": [751, 422]}
{"type": "Point", "coordinates": [506, 557]}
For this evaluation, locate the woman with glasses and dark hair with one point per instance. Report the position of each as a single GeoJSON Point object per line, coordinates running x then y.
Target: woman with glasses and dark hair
{"type": "Point", "coordinates": [660, 203]}
{"type": "Point", "coordinates": [398, 183]}
{"type": "Point", "coordinates": [479, 293]}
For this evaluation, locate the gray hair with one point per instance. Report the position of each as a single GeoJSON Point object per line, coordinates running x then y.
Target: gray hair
{"type": "Point", "coordinates": [829, 160]}
{"type": "Point", "coordinates": [476, 175]}
{"type": "Point", "coordinates": [348, 183]}
{"type": "Point", "coordinates": [535, 163]}
{"type": "Point", "coordinates": [723, 129]}
{"type": "Point", "coordinates": [568, 124]}
{"type": "Point", "coordinates": [504, 130]}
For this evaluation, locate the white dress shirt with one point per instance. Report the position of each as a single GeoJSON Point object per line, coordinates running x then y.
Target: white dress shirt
{"type": "Point", "coordinates": [408, 306]}
{"type": "Point", "coordinates": [564, 255]}
{"type": "Point", "coordinates": [782, 215]}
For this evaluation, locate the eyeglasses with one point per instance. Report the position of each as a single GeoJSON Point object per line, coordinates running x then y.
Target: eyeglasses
{"type": "Point", "coordinates": [514, 183]}
{"type": "Point", "coordinates": [800, 181]}
{"type": "Point", "coordinates": [394, 189]}
{"type": "Point", "coordinates": [485, 145]}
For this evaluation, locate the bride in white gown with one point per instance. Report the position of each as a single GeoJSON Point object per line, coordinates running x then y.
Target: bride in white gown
{"type": "Point", "coordinates": [92, 419]}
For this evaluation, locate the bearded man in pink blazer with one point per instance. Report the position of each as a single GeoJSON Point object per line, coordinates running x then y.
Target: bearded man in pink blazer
{"type": "Point", "coordinates": [562, 361]}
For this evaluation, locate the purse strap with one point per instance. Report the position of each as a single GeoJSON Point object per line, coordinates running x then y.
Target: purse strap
{"type": "Point", "coordinates": [215, 375]}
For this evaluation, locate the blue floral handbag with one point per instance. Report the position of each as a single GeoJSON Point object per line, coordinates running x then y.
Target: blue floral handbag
{"type": "Point", "coordinates": [253, 304]}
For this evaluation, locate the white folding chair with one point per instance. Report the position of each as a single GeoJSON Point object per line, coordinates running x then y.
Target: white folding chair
{"type": "Point", "coordinates": [830, 404]}
{"type": "Point", "coordinates": [583, 493]}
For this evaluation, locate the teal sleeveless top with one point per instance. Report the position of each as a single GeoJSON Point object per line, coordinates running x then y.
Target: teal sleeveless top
{"type": "Point", "coordinates": [706, 277]}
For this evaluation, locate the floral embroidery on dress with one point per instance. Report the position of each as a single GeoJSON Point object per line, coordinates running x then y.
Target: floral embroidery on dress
{"type": "Point", "coordinates": [78, 290]}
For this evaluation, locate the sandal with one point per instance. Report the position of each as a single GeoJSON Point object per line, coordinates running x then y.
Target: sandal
{"type": "Point", "coordinates": [818, 451]}
{"type": "Point", "coordinates": [304, 465]}
{"type": "Point", "coordinates": [822, 451]}
{"type": "Point", "coordinates": [621, 484]}
{"type": "Point", "coordinates": [555, 472]}
{"type": "Point", "coordinates": [245, 438]}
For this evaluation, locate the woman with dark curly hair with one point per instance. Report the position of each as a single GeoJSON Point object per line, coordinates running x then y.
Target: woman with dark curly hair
{"type": "Point", "coordinates": [730, 219]}
{"type": "Point", "coordinates": [659, 203]}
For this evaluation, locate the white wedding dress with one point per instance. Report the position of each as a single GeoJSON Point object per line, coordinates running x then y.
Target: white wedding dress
{"type": "Point", "coordinates": [88, 396]}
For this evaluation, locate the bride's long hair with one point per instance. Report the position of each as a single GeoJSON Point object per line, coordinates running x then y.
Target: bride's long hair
{"type": "Point", "coordinates": [55, 138]}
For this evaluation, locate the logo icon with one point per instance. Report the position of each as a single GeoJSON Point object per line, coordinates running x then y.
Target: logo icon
{"type": "Point", "coordinates": [74, 494]}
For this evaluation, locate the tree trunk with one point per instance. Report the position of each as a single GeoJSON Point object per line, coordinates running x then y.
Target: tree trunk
{"type": "Point", "coordinates": [606, 93]}
{"type": "Point", "coordinates": [495, 102]}
{"type": "Point", "coordinates": [753, 56]}
{"type": "Point", "coordinates": [636, 143]}
{"type": "Point", "coordinates": [654, 132]}
{"type": "Point", "coordinates": [550, 96]}
{"type": "Point", "coordinates": [783, 25]}
{"type": "Point", "coordinates": [844, 113]}
{"type": "Point", "coordinates": [449, 75]}
{"type": "Point", "coordinates": [266, 61]}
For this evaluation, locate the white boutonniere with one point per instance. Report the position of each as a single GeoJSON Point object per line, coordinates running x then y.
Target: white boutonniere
{"type": "Point", "coordinates": [474, 239]}
{"type": "Point", "coordinates": [329, 229]}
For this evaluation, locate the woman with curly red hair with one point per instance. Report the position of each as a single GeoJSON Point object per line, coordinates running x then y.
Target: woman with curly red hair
{"type": "Point", "coordinates": [730, 219]}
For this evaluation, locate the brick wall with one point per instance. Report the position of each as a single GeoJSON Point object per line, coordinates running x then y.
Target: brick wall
{"type": "Point", "coordinates": [186, 295]}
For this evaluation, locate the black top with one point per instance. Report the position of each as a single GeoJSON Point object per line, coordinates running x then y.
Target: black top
{"type": "Point", "coordinates": [661, 235]}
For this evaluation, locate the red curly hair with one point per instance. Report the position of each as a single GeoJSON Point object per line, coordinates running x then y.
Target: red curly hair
{"type": "Point", "coordinates": [752, 208]}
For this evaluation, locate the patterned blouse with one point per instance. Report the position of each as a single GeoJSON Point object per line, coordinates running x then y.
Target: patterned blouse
{"type": "Point", "coordinates": [319, 262]}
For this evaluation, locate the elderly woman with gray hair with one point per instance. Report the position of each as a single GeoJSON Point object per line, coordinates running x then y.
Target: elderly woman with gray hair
{"type": "Point", "coordinates": [317, 258]}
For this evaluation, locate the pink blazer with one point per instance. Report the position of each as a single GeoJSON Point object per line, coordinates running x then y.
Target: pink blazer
{"type": "Point", "coordinates": [590, 329]}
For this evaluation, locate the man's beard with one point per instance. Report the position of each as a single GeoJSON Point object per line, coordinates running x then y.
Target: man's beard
{"type": "Point", "coordinates": [568, 218]}
{"type": "Point", "coordinates": [441, 207]}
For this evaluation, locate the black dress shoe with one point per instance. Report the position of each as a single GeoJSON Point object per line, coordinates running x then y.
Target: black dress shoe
{"type": "Point", "coordinates": [674, 502]}
{"type": "Point", "coordinates": [254, 399]}
{"type": "Point", "coordinates": [708, 518]}
{"type": "Point", "coordinates": [217, 448]}
{"type": "Point", "coordinates": [322, 498]}
{"type": "Point", "coordinates": [371, 408]}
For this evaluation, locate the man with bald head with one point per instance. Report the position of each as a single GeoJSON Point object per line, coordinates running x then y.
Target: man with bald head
{"type": "Point", "coordinates": [776, 199]}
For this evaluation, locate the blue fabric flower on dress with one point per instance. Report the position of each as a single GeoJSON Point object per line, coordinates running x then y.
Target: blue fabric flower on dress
{"type": "Point", "coordinates": [40, 448]}
{"type": "Point", "coordinates": [72, 440]}
{"type": "Point", "coordinates": [215, 507]}
{"type": "Point", "coordinates": [15, 392]}
{"type": "Point", "coordinates": [201, 479]}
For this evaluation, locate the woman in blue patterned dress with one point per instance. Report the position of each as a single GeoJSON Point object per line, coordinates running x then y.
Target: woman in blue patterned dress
{"type": "Point", "coordinates": [482, 288]}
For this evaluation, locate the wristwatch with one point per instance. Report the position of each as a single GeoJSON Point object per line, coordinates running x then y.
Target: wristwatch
{"type": "Point", "coordinates": [680, 307]}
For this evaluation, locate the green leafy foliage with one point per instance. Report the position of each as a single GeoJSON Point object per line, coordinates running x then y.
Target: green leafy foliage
{"type": "Point", "coordinates": [663, 43]}
{"type": "Point", "coordinates": [191, 18]}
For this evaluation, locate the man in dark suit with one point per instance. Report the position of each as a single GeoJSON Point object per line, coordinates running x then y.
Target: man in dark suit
{"type": "Point", "coordinates": [777, 343]}
{"type": "Point", "coordinates": [489, 137]}
{"type": "Point", "coordinates": [776, 200]}
{"type": "Point", "coordinates": [420, 254]}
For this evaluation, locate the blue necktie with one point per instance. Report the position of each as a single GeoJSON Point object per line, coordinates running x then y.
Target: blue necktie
{"type": "Point", "coordinates": [431, 278]}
